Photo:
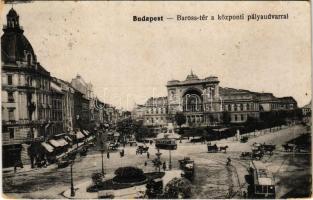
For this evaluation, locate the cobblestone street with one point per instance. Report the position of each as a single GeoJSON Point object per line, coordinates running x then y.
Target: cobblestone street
{"type": "Point", "coordinates": [212, 180]}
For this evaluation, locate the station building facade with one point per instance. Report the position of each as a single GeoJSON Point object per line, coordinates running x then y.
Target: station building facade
{"type": "Point", "coordinates": [204, 103]}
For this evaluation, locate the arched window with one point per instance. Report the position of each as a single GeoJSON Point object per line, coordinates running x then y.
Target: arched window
{"type": "Point", "coordinates": [229, 107]}
{"type": "Point", "coordinates": [241, 107]}
{"type": "Point", "coordinates": [235, 107]}
{"type": "Point", "coordinates": [248, 106]}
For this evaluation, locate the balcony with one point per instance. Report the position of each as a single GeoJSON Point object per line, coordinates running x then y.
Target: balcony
{"type": "Point", "coordinates": [5, 27]}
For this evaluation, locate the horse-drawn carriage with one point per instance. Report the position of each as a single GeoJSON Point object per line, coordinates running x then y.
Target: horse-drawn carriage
{"type": "Point", "coordinates": [212, 148]}
{"type": "Point", "coordinates": [289, 147]}
{"type": "Point", "coordinates": [302, 148]}
{"type": "Point", "coordinates": [64, 162]}
{"type": "Point", "coordinates": [255, 154]}
{"type": "Point", "coordinates": [142, 149]}
{"type": "Point", "coordinates": [187, 165]}
{"type": "Point", "coordinates": [268, 148]}
{"type": "Point", "coordinates": [113, 146]}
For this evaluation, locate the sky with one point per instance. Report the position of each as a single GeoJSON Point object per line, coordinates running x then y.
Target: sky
{"type": "Point", "coordinates": [127, 62]}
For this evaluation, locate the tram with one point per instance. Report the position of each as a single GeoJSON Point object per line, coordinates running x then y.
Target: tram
{"type": "Point", "coordinates": [166, 143]}
{"type": "Point", "coordinates": [263, 185]}
{"type": "Point", "coordinates": [167, 139]}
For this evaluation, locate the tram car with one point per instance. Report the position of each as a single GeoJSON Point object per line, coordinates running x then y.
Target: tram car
{"type": "Point", "coordinates": [263, 185]}
{"type": "Point", "coordinates": [166, 143]}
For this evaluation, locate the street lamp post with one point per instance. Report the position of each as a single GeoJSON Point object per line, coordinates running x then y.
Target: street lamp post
{"type": "Point", "coordinates": [72, 184]}
{"type": "Point", "coordinates": [170, 162]}
{"type": "Point", "coordinates": [102, 169]}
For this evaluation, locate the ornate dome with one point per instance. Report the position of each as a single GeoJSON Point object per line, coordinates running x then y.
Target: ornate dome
{"type": "Point", "coordinates": [14, 45]}
{"type": "Point", "coordinates": [192, 76]}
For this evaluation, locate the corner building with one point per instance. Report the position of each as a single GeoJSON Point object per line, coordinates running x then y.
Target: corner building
{"type": "Point", "coordinates": [25, 95]}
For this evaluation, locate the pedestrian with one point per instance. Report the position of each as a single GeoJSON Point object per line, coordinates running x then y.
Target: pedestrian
{"type": "Point", "coordinates": [244, 194]}
{"type": "Point", "coordinates": [122, 153]}
{"type": "Point", "coordinates": [164, 166]}
{"type": "Point", "coordinates": [148, 155]}
{"type": "Point", "coordinates": [15, 166]}
{"type": "Point", "coordinates": [108, 155]}
{"type": "Point", "coordinates": [228, 161]}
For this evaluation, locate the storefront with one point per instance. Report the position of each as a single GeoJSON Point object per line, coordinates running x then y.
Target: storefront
{"type": "Point", "coordinates": [11, 154]}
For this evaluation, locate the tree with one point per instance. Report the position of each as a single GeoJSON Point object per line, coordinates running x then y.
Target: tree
{"type": "Point", "coordinates": [125, 127]}
{"type": "Point", "coordinates": [180, 119]}
{"type": "Point", "coordinates": [177, 188]}
{"type": "Point", "coordinates": [251, 123]}
{"type": "Point", "coordinates": [129, 174]}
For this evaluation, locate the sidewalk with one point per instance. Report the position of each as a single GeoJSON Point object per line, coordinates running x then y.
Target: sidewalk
{"type": "Point", "coordinates": [27, 168]}
{"type": "Point", "coordinates": [127, 193]}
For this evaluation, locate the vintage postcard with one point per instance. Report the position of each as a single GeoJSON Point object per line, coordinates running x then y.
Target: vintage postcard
{"type": "Point", "coordinates": [156, 100]}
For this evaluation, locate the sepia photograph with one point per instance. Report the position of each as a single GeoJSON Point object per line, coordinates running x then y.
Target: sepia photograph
{"type": "Point", "coordinates": [156, 100]}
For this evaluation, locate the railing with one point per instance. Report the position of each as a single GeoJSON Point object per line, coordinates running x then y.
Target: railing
{"type": "Point", "coordinates": [6, 26]}
{"type": "Point", "coordinates": [6, 140]}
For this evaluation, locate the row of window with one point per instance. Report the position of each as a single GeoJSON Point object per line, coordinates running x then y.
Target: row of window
{"type": "Point", "coordinates": [42, 98]}
{"type": "Point", "coordinates": [28, 81]}
{"type": "Point", "coordinates": [238, 107]}
{"type": "Point", "coordinates": [155, 119]}
{"type": "Point", "coordinates": [239, 117]}
{"type": "Point", "coordinates": [156, 111]}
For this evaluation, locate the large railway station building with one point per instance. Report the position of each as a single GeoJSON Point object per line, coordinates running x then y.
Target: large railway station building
{"type": "Point", "coordinates": [204, 102]}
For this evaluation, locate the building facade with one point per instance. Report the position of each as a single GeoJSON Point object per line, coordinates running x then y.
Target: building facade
{"type": "Point", "coordinates": [204, 103]}
{"type": "Point", "coordinates": [26, 97]}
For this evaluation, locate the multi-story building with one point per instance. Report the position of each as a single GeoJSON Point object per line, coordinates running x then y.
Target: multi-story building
{"type": "Point", "coordinates": [86, 113]}
{"type": "Point", "coordinates": [138, 112]}
{"type": "Point", "coordinates": [67, 105]}
{"type": "Point", "coordinates": [306, 110]}
{"type": "Point", "coordinates": [57, 97]}
{"type": "Point", "coordinates": [156, 113]}
{"type": "Point", "coordinates": [204, 103]}
{"type": "Point", "coordinates": [307, 113]}
{"type": "Point", "coordinates": [26, 97]}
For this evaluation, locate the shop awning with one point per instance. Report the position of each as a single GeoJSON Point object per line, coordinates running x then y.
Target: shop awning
{"type": "Point", "coordinates": [47, 146]}
{"type": "Point", "coordinates": [85, 132]}
{"type": "Point", "coordinates": [79, 135]}
{"type": "Point", "coordinates": [54, 143]}
{"type": "Point", "coordinates": [90, 138]}
{"type": "Point", "coordinates": [62, 142]}
{"type": "Point", "coordinates": [68, 138]}
{"type": "Point", "coordinates": [58, 143]}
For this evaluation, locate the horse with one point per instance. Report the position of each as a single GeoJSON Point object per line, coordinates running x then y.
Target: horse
{"type": "Point", "coordinates": [223, 148]}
